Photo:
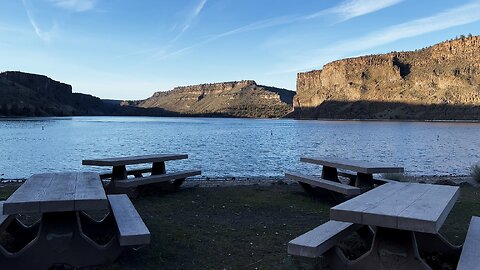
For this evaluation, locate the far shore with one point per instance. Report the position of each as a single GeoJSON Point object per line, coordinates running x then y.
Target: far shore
{"type": "Point", "coordinates": [473, 121]}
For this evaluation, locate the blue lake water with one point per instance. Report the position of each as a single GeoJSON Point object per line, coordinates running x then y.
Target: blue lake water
{"type": "Point", "coordinates": [234, 147]}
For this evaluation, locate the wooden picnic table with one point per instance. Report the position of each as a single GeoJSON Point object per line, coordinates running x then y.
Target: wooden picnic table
{"type": "Point", "coordinates": [120, 183]}
{"type": "Point", "coordinates": [364, 169]}
{"type": "Point", "coordinates": [63, 235]}
{"type": "Point", "coordinates": [359, 182]}
{"type": "Point", "coordinates": [403, 213]}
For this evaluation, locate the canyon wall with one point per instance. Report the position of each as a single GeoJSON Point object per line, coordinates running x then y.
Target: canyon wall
{"type": "Point", "coordinates": [438, 82]}
{"type": "Point", "coordinates": [234, 99]}
{"type": "Point", "coordinates": [25, 94]}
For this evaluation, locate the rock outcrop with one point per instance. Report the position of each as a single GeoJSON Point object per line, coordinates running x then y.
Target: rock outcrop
{"type": "Point", "coordinates": [232, 99]}
{"type": "Point", "coordinates": [438, 82]}
{"type": "Point", "coordinates": [24, 94]}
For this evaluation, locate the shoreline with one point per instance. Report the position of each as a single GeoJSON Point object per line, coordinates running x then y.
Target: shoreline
{"type": "Point", "coordinates": [203, 181]}
{"type": "Point", "coordinates": [466, 121]}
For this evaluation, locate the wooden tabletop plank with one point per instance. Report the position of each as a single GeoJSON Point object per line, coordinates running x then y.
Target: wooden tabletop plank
{"type": "Point", "coordinates": [360, 166]}
{"type": "Point", "coordinates": [60, 193]}
{"type": "Point", "coordinates": [429, 213]}
{"type": "Point", "coordinates": [351, 210]}
{"type": "Point", "coordinates": [121, 161]}
{"type": "Point", "coordinates": [89, 192]}
{"type": "Point", "coordinates": [26, 199]}
{"type": "Point", "coordinates": [386, 213]}
{"type": "Point", "coordinates": [54, 192]}
{"type": "Point", "coordinates": [404, 206]}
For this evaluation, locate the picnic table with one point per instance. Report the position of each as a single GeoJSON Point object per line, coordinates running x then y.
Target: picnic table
{"type": "Point", "coordinates": [65, 234]}
{"type": "Point", "coordinates": [121, 183]}
{"type": "Point", "coordinates": [362, 180]}
{"type": "Point", "coordinates": [406, 217]}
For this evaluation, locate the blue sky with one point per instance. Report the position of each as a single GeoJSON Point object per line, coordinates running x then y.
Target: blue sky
{"type": "Point", "coordinates": [128, 49]}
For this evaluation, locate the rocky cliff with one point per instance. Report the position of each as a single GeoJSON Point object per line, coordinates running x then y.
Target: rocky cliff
{"type": "Point", "coordinates": [24, 94]}
{"type": "Point", "coordinates": [438, 82]}
{"type": "Point", "coordinates": [236, 99]}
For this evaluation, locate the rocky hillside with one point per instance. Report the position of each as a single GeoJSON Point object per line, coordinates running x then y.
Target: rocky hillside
{"type": "Point", "coordinates": [24, 94]}
{"type": "Point", "coordinates": [438, 82]}
{"type": "Point", "coordinates": [236, 99]}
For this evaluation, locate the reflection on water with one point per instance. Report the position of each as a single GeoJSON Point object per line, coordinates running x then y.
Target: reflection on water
{"type": "Point", "coordinates": [234, 147]}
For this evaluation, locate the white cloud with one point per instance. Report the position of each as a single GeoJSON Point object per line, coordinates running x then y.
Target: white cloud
{"type": "Point", "coordinates": [197, 9]}
{"type": "Point", "coordinates": [355, 8]}
{"type": "Point", "coordinates": [346, 10]}
{"type": "Point", "coordinates": [75, 5]}
{"type": "Point", "coordinates": [43, 35]}
{"type": "Point", "coordinates": [457, 16]}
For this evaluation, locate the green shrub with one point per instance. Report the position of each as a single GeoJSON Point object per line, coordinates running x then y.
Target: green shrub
{"type": "Point", "coordinates": [475, 172]}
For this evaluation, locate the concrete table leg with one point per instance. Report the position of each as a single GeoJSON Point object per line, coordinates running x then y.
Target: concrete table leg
{"type": "Point", "coordinates": [120, 173]}
{"type": "Point", "coordinates": [364, 181]}
{"type": "Point", "coordinates": [330, 173]}
{"type": "Point", "coordinates": [436, 243]}
{"type": "Point", "coordinates": [158, 168]}
{"type": "Point", "coordinates": [61, 241]}
{"type": "Point", "coordinates": [391, 250]}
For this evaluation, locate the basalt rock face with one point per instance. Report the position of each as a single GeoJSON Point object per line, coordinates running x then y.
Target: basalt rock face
{"type": "Point", "coordinates": [24, 94]}
{"type": "Point", "coordinates": [438, 82]}
{"type": "Point", "coordinates": [233, 99]}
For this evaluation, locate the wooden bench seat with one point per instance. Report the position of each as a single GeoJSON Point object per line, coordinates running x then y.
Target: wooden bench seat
{"type": "Point", "coordinates": [470, 257]}
{"type": "Point", "coordinates": [155, 179]}
{"type": "Point", "coordinates": [131, 228]}
{"type": "Point", "coordinates": [322, 183]}
{"type": "Point", "coordinates": [316, 242]}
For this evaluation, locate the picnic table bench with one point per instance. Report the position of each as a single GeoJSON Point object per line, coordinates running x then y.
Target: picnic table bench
{"type": "Point", "coordinates": [470, 259]}
{"type": "Point", "coordinates": [65, 233]}
{"type": "Point", "coordinates": [121, 183]}
{"type": "Point", "coordinates": [359, 182]}
{"type": "Point", "coordinates": [406, 218]}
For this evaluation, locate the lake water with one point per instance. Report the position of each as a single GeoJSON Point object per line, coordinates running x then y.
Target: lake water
{"type": "Point", "coordinates": [234, 147]}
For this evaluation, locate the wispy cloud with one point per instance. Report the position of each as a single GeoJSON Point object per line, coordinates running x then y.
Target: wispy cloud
{"type": "Point", "coordinates": [346, 10]}
{"type": "Point", "coordinates": [457, 16]}
{"type": "Point", "coordinates": [190, 18]}
{"type": "Point", "coordinates": [75, 5]}
{"type": "Point", "coordinates": [165, 51]}
{"type": "Point", "coordinates": [196, 11]}
{"type": "Point", "coordinates": [43, 35]}
{"type": "Point", "coordinates": [354, 8]}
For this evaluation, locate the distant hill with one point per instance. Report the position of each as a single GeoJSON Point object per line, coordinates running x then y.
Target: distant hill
{"type": "Point", "coordinates": [438, 82]}
{"type": "Point", "coordinates": [24, 94]}
{"type": "Point", "coordinates": [232, 99]}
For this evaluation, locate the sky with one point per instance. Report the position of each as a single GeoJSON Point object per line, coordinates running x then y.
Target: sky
{"type": "Point", "coordinates": [129, 49]}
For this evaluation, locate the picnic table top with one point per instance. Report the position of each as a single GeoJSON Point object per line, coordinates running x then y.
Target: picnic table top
{"type": "Point", "coordinates": [360, 166]}
{"type": "Point", "coordinates": [122, 161]}
{"type": "Point", "coordinates": [405, 206]}
{"type": "Point", "coordinates": [58, 192]}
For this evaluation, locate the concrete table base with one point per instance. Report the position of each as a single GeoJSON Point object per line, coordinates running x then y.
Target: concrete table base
{"type": "Point", "coordinates": [391, 249]}
{"type": "Point", "coordinates": [61, 239]}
